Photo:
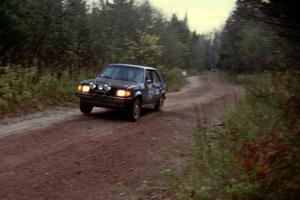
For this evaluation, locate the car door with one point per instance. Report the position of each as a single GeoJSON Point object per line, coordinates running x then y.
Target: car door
{"type": "Point", "coordinates": [149, 87]}
{"type": "Point", "coordinates": [158, 85]}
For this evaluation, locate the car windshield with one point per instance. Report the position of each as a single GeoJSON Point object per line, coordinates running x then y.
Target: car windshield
{"type": "Point", "coordinates": [124, 73]}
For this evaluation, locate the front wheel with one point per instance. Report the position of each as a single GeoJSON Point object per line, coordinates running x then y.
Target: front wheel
{"type": "Point", "coordinates": [134, 111]}
{"type": "Point", "coordinates": [85, 108]}
{"type": "Point", "coordinates": [159, 104]}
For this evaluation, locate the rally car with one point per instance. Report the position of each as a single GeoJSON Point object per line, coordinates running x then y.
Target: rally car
{"type": "Point", "coordinates": [123, 86]}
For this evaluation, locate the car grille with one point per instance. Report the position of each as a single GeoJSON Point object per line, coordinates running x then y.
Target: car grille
{"type": "Point", "coordinates": [103, 93]}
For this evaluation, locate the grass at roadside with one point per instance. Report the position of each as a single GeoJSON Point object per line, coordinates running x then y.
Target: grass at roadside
{"type": "Point", "coordinates": [254, 155]}
{"type": "Point", "coordinates": [25, 90]}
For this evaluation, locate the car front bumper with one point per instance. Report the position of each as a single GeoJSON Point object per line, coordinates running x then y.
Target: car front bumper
{"type": "Point", "coordinates": [104, 101]}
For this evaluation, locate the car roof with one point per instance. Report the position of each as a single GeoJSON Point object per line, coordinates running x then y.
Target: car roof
{"type": "Point", "coordinates": [131, 65]}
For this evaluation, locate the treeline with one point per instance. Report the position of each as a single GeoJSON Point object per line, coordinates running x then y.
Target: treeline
{"type": "Point", "coordinates": [68, 33]}
{"type": "Point", "coordinates": [261, 35]}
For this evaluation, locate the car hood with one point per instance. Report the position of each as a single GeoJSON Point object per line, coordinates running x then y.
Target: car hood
{"type": "Point", "coordinates": [114, 83]}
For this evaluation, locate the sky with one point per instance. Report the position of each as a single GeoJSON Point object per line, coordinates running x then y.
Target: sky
{"type": "Point", "coordinates": [204, 15]}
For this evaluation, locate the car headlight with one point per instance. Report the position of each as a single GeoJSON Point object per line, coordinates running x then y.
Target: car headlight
{"type": "Point", "coordinates": [79, 88]}
{"type": "Point", "coordinates": [92, 85]}
{"type": "Point", "coordinates": [83, 88]}
{"type": "Point", "coordinates": [106, 87]}
{"type": "Point", "coordinates": [123, 93]}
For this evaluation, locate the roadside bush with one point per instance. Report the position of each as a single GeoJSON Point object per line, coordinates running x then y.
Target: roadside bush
{"type": "Point", "coordinates": [27, 89]}
{"type": "Point", "coordinates": [255, 155]}
{"type": "Point", "coordinates": [173, 77]}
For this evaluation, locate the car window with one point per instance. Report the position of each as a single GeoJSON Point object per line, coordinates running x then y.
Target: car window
{"type": "Point", "coordinates": [125, 73]}
{"type": "Point", "coordinates": [156, 78]}
{"type": "Point", "coordinates": [149, 76]}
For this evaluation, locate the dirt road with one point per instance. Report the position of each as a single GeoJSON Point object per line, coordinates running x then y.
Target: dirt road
{"type": "Point", "coordinates": [62, 154]}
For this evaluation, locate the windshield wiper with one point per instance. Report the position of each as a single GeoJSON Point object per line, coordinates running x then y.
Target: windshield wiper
{"type": "Point", "coordinates": [126, 80]}
{"type": "Point", "coordinates": [109, 77]}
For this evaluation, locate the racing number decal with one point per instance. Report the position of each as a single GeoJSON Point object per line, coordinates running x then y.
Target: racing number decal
{"type": "Point", "coordinates": [157, 91]}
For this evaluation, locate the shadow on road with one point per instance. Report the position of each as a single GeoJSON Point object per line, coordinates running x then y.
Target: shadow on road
{"type": "Point", "coordinates": [115, 115]}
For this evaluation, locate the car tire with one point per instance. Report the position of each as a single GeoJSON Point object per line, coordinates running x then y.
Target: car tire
{"type": "Point", "coordinates": [159, 103]}
{"type": "Point", "coordinates": [134, 110]}
{"type": "Point", "coordinates": [85, 108]}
